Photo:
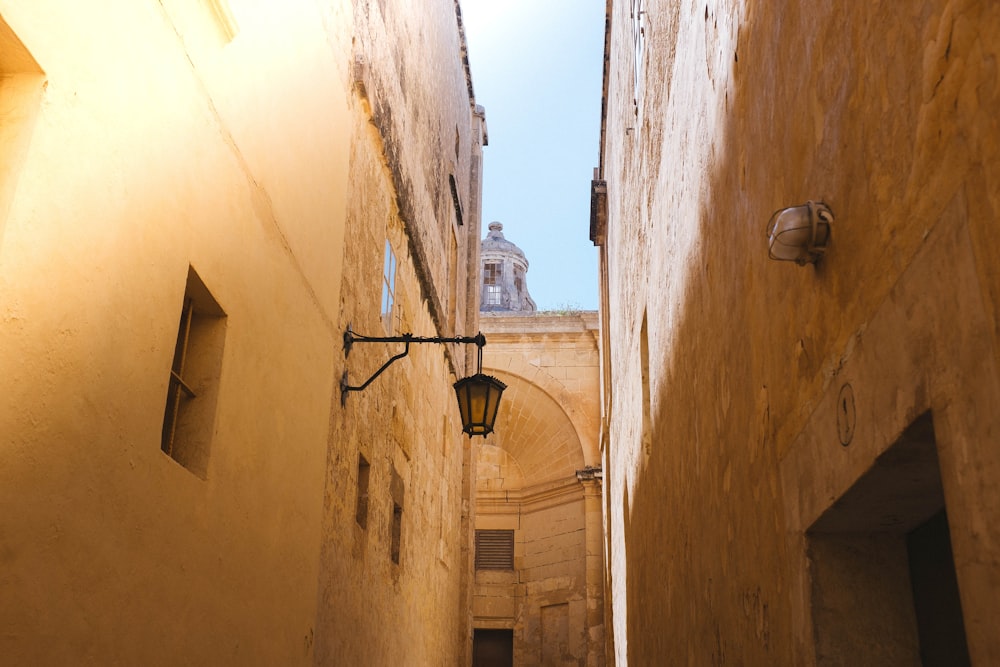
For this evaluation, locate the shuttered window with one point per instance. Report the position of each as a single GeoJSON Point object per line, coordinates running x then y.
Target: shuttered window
{"type": "Point", "coordinates": [494, 549]}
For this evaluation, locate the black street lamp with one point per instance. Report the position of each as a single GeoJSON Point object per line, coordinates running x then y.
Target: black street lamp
{"type": "Point", "coordinates": [478, 395]}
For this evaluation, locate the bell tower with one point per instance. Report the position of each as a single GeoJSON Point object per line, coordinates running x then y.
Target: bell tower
{"type": "Point", "coordinates": [504, 285]}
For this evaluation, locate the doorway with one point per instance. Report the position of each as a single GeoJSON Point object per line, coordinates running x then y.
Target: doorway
{"type": "Point", "coordinates": [884, 588]}
{"type": "Point", "coordinates": [492, 648]}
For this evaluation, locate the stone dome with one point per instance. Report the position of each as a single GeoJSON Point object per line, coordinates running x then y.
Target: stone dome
{"type": "Point", "coordinates": [495, 242]}
{"type": "Point", "coordinates": [503, 280]}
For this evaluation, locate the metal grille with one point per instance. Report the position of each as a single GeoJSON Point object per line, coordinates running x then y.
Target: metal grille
{"type": "Point", "coordinates": [494, 549]}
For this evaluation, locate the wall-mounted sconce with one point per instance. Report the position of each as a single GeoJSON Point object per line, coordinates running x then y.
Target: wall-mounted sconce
{"type": "Point", "coordinates": [799, 234]}
{"type": "Point", "coordinates": [478, 395]}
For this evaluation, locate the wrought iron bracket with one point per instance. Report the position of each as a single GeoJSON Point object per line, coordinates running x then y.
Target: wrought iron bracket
{"type": "Point", "coordinates": [351, 337]}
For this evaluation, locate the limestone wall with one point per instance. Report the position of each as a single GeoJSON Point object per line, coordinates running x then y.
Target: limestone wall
{"type": "Point", "coordinates": [152, 137]}
{"type": "Point", "coordinates": [728, 370]}
{"type": "Point", "coordinates": [415, 124]}
{"type": "Point", "coordinates": [255, 157]}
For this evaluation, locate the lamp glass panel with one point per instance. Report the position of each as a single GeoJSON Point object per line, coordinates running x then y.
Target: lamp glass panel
{"type": "Point", "coordinates": [462, 392]}
{"type": "Point", "coordinates": [478, 394]}
{"type": "Point", "coordinates": [492, 405]}
{"type": "Point", "coordinates": [791, 234]}
{"type": "Point", "coordinates": [478, 402]}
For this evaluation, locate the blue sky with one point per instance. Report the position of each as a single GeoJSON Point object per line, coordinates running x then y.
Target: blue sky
{"type": "Point", "coordinates": [536, 68]}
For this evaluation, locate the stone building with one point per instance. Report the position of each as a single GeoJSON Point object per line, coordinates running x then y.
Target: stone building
{"type": "Point", "coordinates": [801, 462]}
{"type": "Point", "coordinates": [538, 594]}
{"type": "Point", "coordinates": [197, 199]}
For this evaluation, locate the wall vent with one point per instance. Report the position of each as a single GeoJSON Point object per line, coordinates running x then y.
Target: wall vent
{"type": "Point", "coordinates": [494, 549]}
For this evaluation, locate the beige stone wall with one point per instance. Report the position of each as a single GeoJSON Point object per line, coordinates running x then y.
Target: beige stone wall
{"type": "Point", "coordinates": [886, 113]}
{"type": "Point", "coordinates": [414, 125]}
{"type": "Point", "coordinates": [152, 142]}
{"type": "Point", "coordinates": [527, 481]}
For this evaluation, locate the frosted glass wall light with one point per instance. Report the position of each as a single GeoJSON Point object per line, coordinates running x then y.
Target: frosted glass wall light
{"type": "Point", "coordinates": [799, 234]}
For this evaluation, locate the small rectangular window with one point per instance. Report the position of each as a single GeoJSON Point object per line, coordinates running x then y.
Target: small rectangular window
{"type": "Point", "coordinates": [388, 286]}
{"type": "Point", "coordinates": [453, 310]}
{"type": "Point", "coordinates": [397, 489]}
{"type": "Point", "coordinates": [192, 386]}
{"type": "Point", "coordinates": [494, 549]}
{"type": "Point", "coordinates": [456, 200]}
{"type": "Point", "coordinates": [364, 472]}
{"type": "Point", "coordinates": [491, 274]}
{"type": "Point", "coordinates": [397, 532]}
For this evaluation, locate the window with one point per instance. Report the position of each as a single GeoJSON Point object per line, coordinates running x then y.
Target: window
{"type": "Point", "coordinates": [397, 532]}
{"type": "Point", "coordinates": [453, 310]}
{"type": "Point", "coordinates": [494, 549]}
{"type": "Point", "coordinates": [396, 491]}
{"type": "Point", "coordinates": [638, 15]}
{"type": "Point", "coordinates": [192, 387]}
{"type": "Point", "coordinates": [491, 278]}
{"type": "Point", "coordinates": [491, 272]}
{"type": "Point", "coordinates": [454, 194]}
{"type": "Point", "coordinates": [364, 471]}
{"type": "Point", "coordinates": [388, 286]}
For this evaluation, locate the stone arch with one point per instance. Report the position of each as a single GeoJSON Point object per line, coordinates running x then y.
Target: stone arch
{"type": "Point", "coordinates": [517, 371]}
{"type": "Point", "coordinates": [536, 431]}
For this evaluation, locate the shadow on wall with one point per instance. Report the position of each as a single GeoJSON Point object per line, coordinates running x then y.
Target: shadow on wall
{"type": "Point", "coordinates": [708, 572]}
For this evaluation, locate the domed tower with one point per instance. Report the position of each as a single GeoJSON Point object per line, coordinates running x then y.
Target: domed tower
{"type": "Point", "coordinates": [504, 287]}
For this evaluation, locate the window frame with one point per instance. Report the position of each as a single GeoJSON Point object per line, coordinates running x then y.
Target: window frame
{"type": "Point", "coordinates": [193, 380]}
{"type": "Point", "coordinates": [390, 266]}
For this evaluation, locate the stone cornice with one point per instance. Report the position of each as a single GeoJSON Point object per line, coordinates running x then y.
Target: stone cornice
{"type": "Point", "coordinates": [530, 499]}
{"type": "Point", "coordinates": [518, 327]}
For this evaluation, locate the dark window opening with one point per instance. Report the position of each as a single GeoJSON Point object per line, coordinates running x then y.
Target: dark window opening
{"type": "Point", "coordinates": [397, 489]}
{"type": "Point", "coordinates": [364, 471]}
{"type": "Point", "coordinates": [192, 387]}
{"type": "Point", "coordinates": [456, 200]}
{"type": "Point", "coordinates": [397, 532]}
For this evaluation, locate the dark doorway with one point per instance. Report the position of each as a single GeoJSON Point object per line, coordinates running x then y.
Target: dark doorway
{"type": "Point", "coordinates": [935, 595]}
{"type": "Point", "coordinates": [492, 648]}
{"type": "Point", "coordinates": [884, 588]}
